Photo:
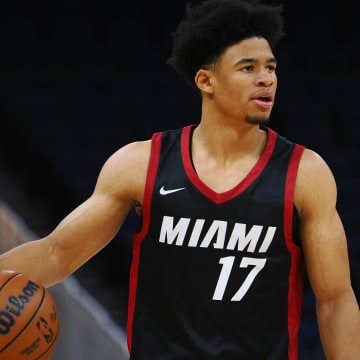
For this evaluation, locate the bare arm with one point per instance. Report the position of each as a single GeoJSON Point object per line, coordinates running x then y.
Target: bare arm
{"type": "Point", "coordinates": [91, 226]}
{"type": "Point", "coordinates": [325, 250]}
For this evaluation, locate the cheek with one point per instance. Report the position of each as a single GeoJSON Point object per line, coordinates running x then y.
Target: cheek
{"type": "Point", "coordinates": [235, 91]}
{"type": "Point", "coordinates": [232, 93]}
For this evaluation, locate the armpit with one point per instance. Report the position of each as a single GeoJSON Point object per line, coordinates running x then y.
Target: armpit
{"type": "Point", "coordinates": [138, 208]}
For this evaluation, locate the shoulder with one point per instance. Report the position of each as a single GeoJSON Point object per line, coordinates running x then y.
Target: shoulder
{"type": "Point", "coordinates": [130, 156]}
{"type": "Point", "coordinates": [124, 173]}
{"type": "Point", "coordinates": [315, 184]}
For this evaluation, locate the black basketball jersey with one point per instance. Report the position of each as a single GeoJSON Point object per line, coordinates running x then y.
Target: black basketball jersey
{"type": "Point", "coordinates": [216, 276]}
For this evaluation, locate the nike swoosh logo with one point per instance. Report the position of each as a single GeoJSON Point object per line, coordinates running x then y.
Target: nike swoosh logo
{"type": "Point", "coordinates": [166, 192]}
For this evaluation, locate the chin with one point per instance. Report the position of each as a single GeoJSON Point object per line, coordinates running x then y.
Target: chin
{"type": "Point", "coordinates": [257, 119]}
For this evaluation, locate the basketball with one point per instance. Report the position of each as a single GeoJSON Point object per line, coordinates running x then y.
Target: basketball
{"type": "Point", "coordinates": [29, 321]}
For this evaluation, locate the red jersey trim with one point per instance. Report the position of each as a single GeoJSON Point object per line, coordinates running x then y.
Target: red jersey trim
{"type": "Point", "coordinates": [149, 186]}
{"type": "Point", "coordinates": [219, 198]}
{"type": "Point", "coordinates": [296, 270]}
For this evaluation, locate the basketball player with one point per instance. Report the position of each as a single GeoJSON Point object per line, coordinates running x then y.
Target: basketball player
{"type": "Point", "coordinates": [229, 210]}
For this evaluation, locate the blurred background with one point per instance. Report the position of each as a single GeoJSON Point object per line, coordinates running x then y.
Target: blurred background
{"type": "Point", "coordinates": [76, 85]}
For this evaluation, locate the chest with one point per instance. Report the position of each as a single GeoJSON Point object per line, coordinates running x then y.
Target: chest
{"type": "Point", "coordinates": [223, 178]}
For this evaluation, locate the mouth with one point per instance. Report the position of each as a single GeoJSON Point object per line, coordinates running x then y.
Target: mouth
{"type": "Point", "coordinates": [265, 102]}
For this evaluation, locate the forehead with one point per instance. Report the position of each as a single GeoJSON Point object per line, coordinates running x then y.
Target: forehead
{"type": "Point", "coordinates": [255, 47]}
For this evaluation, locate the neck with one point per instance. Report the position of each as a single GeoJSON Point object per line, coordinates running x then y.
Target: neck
{"type": "Point", "coordinates": [226, 140]}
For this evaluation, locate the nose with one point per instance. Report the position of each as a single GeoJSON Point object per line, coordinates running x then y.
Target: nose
{"type": "Point", "coordinates": [265, 79]}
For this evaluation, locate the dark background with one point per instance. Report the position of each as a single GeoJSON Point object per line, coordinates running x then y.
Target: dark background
{"type": "Point", "coordinates": [77, 85]}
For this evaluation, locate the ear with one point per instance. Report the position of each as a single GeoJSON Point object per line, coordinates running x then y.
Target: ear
{"type": "Point", "coordinates": [203, 81]}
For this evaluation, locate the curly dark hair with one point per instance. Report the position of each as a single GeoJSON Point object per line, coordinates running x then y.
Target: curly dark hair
{"type": "Point", "coordinates": [211, 27]}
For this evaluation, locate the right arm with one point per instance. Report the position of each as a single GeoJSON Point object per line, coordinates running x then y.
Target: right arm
{"type": "Point", "coordinates": [91, 226]}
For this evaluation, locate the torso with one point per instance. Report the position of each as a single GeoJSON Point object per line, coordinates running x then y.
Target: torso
{"type": "Point", "coordinates": [173, 301]}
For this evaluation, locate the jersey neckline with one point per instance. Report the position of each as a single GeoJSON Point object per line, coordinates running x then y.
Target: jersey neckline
{"type": "Point", "coordinates": [254, 173]}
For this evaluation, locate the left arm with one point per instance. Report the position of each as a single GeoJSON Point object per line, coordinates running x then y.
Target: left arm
{"type": "Point", "coordinates": [326, 257]}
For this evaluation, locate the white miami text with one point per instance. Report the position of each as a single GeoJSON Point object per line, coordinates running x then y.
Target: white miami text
{"type": "Point", "coordinates": [242, 237]}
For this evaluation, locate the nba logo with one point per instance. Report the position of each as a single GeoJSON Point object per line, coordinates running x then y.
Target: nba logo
{"type": "Point", "coordinates": [44, 328]}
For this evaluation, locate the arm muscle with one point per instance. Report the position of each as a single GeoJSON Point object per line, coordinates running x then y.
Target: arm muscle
{"type": "Point", "coordinates": [326, 257]}
{"type": "Point", "coordinates": [91, 226]}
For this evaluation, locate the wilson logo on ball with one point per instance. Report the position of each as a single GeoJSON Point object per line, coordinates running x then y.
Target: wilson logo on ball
{"type": "Point", "coordinates": [16, 305]}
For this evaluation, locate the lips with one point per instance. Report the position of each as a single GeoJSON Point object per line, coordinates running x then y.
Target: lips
{"type": "Point", "coordinates": [264, 99]}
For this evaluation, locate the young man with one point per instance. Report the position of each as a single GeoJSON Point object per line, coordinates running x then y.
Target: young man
{"type": "Point", "coordinates": [229, 210]}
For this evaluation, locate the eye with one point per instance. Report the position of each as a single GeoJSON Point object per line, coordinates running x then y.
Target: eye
{"type": "Point", "coordinates": [271, 68]}
{"type": "Point", "coordinates": [247, 68]}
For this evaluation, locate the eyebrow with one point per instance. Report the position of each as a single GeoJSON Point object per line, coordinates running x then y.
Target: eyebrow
{"type": "Point", "coordinates": [252, 60]}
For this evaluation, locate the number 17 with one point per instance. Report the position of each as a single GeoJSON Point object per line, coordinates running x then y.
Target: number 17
{"type": "Point", "coordinates": [227, 264]}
